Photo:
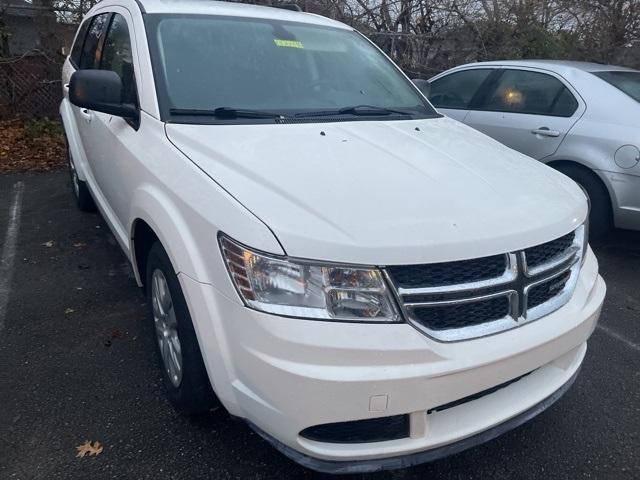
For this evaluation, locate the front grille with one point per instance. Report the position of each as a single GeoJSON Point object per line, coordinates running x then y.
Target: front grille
{"type": "Point", "coordinates": [360, 431]}
{"type": "Point", "coordinates": [449, 273]}
{"type": "Point", "coordinates": [547, 290]}
{"type": "Point", "coordinates": [541, 254]}
{"type": "Point", "coordinates": [459, 315]}
{"type": "Point", "coordinates": [458, 300]}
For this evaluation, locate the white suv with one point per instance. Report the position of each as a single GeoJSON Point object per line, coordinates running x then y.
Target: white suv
{"type": "Point", "coordinates": [367, 283]}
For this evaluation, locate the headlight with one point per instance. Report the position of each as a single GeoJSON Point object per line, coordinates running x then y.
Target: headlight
{"type": "Point", "coordinates": [300, 288]}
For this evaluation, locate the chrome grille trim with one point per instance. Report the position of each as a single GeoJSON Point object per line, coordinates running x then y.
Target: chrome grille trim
{"type": "Point", "coordinates": [516, 283]}
{"type": "Point", "coordinates": [440, 303]}
{"type": "Point", "coordinates": [557, 301]}
{"type": "Point", "coordinates": [509, 274]}
{"type": "Point", "coordinates": [565, 257]}
{"type": "Point", "coordinates": [457, 334]}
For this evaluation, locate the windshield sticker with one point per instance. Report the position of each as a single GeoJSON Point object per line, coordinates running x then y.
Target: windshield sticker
{"type": "Point", "coordinates": [288, 43]}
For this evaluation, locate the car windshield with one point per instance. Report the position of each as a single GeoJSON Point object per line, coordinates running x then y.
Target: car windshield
{"type": "Point", "coordinates": [232, 68]}
{"type": "Point", "coordinates": [628, 82]}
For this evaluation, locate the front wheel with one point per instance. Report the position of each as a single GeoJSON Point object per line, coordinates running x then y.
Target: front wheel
{"type": "Point", "coordinates": [81, 193]}
{"type": "Point", "coordinates": [184, 373]}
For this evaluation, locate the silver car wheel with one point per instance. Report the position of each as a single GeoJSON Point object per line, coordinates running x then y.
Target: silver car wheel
{"type": "Point", "coordinates": [164, 318]}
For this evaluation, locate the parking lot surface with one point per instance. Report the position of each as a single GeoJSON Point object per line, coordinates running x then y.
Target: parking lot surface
{"type": "Point", "coordinates": [77, 363]}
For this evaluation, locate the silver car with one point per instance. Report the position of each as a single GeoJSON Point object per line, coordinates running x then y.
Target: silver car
{"type": "Point", "coordinates": [581, 118]}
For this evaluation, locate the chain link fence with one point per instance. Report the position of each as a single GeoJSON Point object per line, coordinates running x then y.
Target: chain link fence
{"type": "Point", "coordinates": [34, 35]}
{"type": "Point", "coordinates": [30, 86]}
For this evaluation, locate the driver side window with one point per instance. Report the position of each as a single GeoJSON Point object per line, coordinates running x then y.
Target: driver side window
{"type": "Point", "coordinates": [458, 89]}
{"type": "Point", "coordinates": [117, 57]}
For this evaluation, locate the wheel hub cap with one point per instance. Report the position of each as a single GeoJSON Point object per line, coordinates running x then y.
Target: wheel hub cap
{"type": "Point", "coordinates": [164, 317]}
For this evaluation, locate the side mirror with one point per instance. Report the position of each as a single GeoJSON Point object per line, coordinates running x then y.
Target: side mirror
{"type": "Point", "coordinates": [423, 85]}
{"type": "Point", "coordinates": [100, 90]}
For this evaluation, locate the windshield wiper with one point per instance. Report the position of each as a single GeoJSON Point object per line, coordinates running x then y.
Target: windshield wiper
{"type": "Point", "coordinates": [357, 110]}
{"type": "Point", "coordinates": [225, 113]}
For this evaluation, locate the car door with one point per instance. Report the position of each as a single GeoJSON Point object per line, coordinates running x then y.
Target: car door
{"type": "Point", "coordinates": [529, 111]}
{"type": "Point", "coordinates": [88, 59]}
{"type": "Point", "coordinates": [453, 92]}
{"type": "Point", "coordinates": [112, 161]}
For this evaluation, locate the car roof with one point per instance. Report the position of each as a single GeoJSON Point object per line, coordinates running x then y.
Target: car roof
{"type": "Point", "coordinates": [558, 66]}
{"type": "Point", "coordinates": [211, 7]}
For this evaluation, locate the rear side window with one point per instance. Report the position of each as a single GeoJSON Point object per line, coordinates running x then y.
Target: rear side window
{"type": "Point", "coordinates": [88, 58]}
{"type": "Point", "coordinates": [628, 82]}
{"type": "Point", "coordinates": [76, 51]}
{"type": "Point", "coordinates": [521, 91]}
{"type": "Point", "coordinates": [457, 89]}
{"type": "Point", "coordinates": [117, 57]}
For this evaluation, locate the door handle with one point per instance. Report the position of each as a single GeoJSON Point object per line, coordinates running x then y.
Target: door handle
{"type": "Point", "coordinates": [545, 132]}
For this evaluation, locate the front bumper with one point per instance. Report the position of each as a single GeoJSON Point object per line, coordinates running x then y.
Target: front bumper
{"type": "Point", "coordinates": [409, 460]}
{"type": "Point", "coordinates": [283, 375]}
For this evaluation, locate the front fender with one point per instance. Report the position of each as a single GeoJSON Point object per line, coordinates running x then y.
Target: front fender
{"type": "Point", "coordinates": [190, 241]}
{"type": "Point", "coordinates": [155, 207]}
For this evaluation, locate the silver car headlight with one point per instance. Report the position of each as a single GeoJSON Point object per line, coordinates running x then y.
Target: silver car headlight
{"type": "Point", "coordinates": [307, 289]}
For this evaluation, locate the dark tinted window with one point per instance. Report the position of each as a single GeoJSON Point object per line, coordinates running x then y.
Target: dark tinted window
{"type": "Point", "coordinates": [521, 91]}
{"type": "Point", "coordinates": [628, 82]}
{"type": "Point", "coordinates": [88, 58]}
{"type": "Point", "coordinates": [77, 46]}
{"type": "Point", "coordinates": [116, 56]}
{"type": "Point", "coordinates": [457, 89]}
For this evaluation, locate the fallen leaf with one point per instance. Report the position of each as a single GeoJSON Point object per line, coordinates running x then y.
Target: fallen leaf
{"type": "Point", "coordinates": [48, 244]}
{"type": "Point", "coordinates": [88, 448]}
{"type": "Point", "coordinates": [69, 310]}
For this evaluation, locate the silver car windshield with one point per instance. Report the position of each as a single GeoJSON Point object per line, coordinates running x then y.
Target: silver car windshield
{"type": "Point", "coordinates": [628, 82]}
{"type": "Point", "coordinates": [242, 65]}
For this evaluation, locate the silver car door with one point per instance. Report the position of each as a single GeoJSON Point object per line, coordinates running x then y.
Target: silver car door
{"type": "Point", "coordinates": [452, 93]}
{"type": "Point", "coordinates": [529, 111]}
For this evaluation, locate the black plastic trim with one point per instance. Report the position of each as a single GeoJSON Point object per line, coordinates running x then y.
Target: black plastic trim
{"type": "Point", "coordinates": [369, 430]}
{"type": "Point", "coordinates": [405, 461]}
{"type": "Point", "coordinates": [140, 6]}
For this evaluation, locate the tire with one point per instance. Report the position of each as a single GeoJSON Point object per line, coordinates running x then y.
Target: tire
{"type": "Point", "coordinates": [80, 190]}
{"type": "Point", "coordinates": [188, 387]}
{"type": "Point", "coordinates": [600, 216]}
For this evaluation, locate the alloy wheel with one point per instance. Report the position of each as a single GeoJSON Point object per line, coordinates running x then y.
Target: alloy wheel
{"type": "Point", "coordinates": [166, 325]}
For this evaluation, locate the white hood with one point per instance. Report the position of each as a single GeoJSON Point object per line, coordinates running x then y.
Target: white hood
{"type": "Point", "coordinates": [382, 193]}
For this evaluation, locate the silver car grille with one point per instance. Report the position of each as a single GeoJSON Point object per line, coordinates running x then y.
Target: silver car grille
{"type": "Point", "coordinates": [454, 301]}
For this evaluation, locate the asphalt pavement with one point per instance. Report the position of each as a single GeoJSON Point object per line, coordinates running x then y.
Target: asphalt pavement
{"type": "Point", "coordinates": [77, 363]}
